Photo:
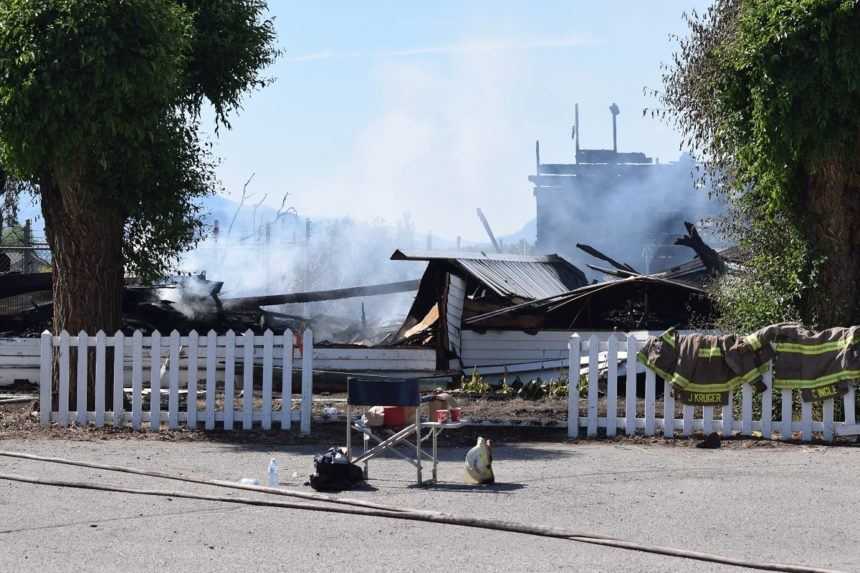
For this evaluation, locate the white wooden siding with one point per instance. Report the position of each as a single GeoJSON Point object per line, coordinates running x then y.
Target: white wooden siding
{"type": "Point", "coordinates": [454, 314]}
{"type": "Point", "coordinates": [515, 347]}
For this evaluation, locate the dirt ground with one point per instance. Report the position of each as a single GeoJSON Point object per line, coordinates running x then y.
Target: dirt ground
{"type": "Point", "coordinates": [21, 422]}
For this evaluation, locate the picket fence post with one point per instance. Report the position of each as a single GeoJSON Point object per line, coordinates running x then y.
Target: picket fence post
{"type": "Point", "coordinates": [191, 402]}
{"type": "Point", "coordinates": [46, 373]}
{"type": "Point", "coordinates": [787, 414]}
{"type": "Point", "coordinates": [101, 357]}
{"type": "Point", "coordinates": [827, 419]}
{"type": "Point", "coordinates": [307, 380]}
{"type": "Point", "coordinates": [248, 381]}
{"type": "Point", "coordinates": [707, 419]}
{"type": "Point", "coordinates": [687, 430]}
{"type": "Point", "coordinates": [173, 396]}
{"type": "Point", "coordinates": [767, 403]}
{"type": "Point", "coordinates": [211, 365]}
{"type": "Point", "coordinates": [155, 381]}
{"type": "Point", "coordinates": [593, 372]}
{"type": "Point", "coordinates": [668, 410]}
{"type": "Point", "coordinates": [81, 381]}
{"type": "Point", "coordinates": [268, 339]}
{"type": "Point", "coordinates": [650, 401]}
{"type": "Point", "coordinates": [574, 348]}
{"type": "Point", "coordinates": [63, 406]}
{"type": "Point", "coordinates": [229, 380]}
{"type": "Point", "coordinates": [630, 387]}
{"type": "Point", "coordinates": [118, 378]}
{"type": "Point", "coordinates": [806, 420]}
{"type": "Point", "coordinates": [729, 417]}
{"type": "Point", "coordinates": [746, 410]}
{"type": "Point", "coordinates": [611, 386]}
{"type": "Point", "coordinates": [287, 381]}
{"type": "Point", "coordinates": [848, 407]}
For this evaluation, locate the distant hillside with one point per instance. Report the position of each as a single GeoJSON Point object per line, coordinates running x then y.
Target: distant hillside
{"type": "Point", "coordinates": [527, 232]}
{"type": "Point", "coordinates": [222, 209]}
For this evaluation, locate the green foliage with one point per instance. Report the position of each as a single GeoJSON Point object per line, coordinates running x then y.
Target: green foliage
{"type": "Point", "coordinates": [505, 390]}
{"type": "Point", "coordinates": [557, 388]}
{"type": "Point", "coordinates": [103, 99]}
{"type": "Point", "coordinates": [13, 236]}
{"type": "Point", "coordinates": [474, 384]}
{"type": "Point", "coordinates": [232, 43]}
{"type": "Point", "coordinates": [164, 223]}
{"type": "Point", "coordinates": [532, 390]}
{"type": "Point", "coordinates": [768, 88]}
{"type": "Point", "coordinates": [78, 75]}
{"type": "Point", "coordinates": [535, 389]}
{"type": "Point", "coordinates": [778, 273]}
{"type": "Point", "coordinates": [766, 94]}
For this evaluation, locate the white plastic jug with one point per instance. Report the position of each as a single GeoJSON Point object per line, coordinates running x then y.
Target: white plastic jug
{"type": "Point", "coordinates": [273, 473]}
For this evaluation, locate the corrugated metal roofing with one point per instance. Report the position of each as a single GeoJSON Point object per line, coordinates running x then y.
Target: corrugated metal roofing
{"type": "Point", "coordinates": [520, 276]}
{"type": "Point", "coordinates": [421, 255]}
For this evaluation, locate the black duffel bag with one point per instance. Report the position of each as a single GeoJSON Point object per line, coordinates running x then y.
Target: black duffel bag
{"type": "Point", "coordinates": [332, 472]}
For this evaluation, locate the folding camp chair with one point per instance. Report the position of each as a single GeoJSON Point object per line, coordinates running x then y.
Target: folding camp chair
{"type": "Point", "coordinates": [391, 392]}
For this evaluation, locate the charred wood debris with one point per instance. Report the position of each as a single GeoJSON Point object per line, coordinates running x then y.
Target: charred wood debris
{"type": "Point", "coordinates": [189, 303]}
{"type": "Point", "coordinates": [629, 300]}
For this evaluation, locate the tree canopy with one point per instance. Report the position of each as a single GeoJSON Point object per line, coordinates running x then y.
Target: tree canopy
{"type": "Point", "coordinates": [767, 93]}
{"type": "Point", "coordinates": [105, 97]}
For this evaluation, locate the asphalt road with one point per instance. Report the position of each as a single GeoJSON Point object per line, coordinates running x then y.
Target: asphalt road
{"type": "Point", "coordinates": [791, 504]}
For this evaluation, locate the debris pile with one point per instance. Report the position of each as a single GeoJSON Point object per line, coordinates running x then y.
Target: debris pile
{"type": "Point", "coordinates": [187, 303]}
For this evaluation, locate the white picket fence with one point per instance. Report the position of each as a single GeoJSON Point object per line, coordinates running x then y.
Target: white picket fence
{"type": "Point", "coordinates": [692, 419]}
{"type": "Point", "coordinates": [207, 365]}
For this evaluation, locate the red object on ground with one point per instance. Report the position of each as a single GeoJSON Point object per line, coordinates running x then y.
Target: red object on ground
{"type": "Point", "coordinates": [455, 414]}
{"type": "Point", "coordinates": [441, 416]}
{"type": "Point", "coordinates": [394, 416]}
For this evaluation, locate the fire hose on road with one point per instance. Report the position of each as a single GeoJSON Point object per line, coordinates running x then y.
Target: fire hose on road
{"type": "Point", "coordinates": [359, 507]}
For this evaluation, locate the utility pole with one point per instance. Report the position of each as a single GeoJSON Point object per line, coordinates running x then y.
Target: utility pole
{"type": "Point", "coordinates": [489, 230]}
{"type": "Point", "coordinates": [306, 309]}
{"type": "Point", "coordinates": [28, 244]}
{"type": "Point", "coordinates": [268, 254]}
{"type": "Point", "coordinates": [614, 110]}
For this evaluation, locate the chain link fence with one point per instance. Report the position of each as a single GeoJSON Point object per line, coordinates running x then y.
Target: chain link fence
{"type": "Point", "coordinates": [23, 253]}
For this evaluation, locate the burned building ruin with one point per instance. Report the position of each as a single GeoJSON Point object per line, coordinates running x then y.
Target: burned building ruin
{"type": "Point", "coordinates": [625, 203]}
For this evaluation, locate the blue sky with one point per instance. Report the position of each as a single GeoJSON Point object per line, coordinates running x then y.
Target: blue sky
{"type": "Point", "coordinates": [431, 109]}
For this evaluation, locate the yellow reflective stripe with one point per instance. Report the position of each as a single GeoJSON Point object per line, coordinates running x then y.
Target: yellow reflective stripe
{"type": "Point", "coordinates": [685, 384]}
{"type": "Point", "coordinates": [723, 387]}
{"type": "Point", "coordinates": [812, 349]}
{"type": "Point", "coordinates": [753, 341]}
{"type": "Point", "coordinates": [648, 364]}
{"type": "Point", "coordinates": [670, 340]}
{"type": "Point", "coordinates": [709, 352]}
{"type": "Point", "coordinates": [794, 384]}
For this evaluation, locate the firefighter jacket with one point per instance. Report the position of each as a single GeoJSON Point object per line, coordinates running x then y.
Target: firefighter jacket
{"type": "Point", "coordinates": [821, 364]}
{"type": "Point", "coordinates": [703, 369]}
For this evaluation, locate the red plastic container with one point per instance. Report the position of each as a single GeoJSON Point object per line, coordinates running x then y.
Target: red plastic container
{"type": "Point", "coordinates": [442, 416]}
{"type": "Point", "coordinates": [396, 416]}
{"type": "Point", "coordinates": [455, 414]}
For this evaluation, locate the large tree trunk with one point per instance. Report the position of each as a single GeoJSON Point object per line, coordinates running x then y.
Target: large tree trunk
{"type": "Point", "coordinates": [85, 235]}
{"type": "Point", "coordinates": [833, 202]}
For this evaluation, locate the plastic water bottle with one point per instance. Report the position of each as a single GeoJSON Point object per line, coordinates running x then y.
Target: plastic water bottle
{"type": "Point", "coordinates": [273, 473]}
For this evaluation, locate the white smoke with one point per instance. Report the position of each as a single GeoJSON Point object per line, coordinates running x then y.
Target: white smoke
{"type": "Point", "coordinates": [289, 256]}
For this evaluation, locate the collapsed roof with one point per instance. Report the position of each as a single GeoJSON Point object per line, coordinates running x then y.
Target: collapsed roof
{"type": "Point", "coordinates": [457, 285]}
{"type": "Point", "coordinates": [636, 302]}
{"type": "Point", "coordinates": [508, 276]}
